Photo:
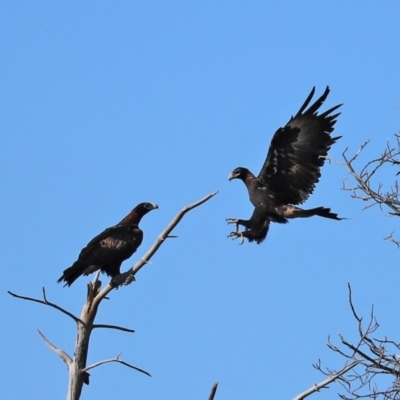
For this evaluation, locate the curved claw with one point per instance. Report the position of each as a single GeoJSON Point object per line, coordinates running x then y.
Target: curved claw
{"type": "Point", "coordinates": [235, 235]}
{"type": "Point", "coordinates": [233, 221]}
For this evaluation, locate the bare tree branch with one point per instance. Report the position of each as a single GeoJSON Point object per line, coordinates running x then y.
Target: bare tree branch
{"type": "Point", "coordinates": [145, 259]}
{"type": "Point", "coordinates": [392, 239]}
{"type": "Point", "coordinates": [47, 303]}
{"type": "Point", "coordinates": [166, 233]}
{"type": "Point", "coordinates": [332, 378]}
{"type": "Point", "coordinates": [363, 189]}
{"type": "Point", "coordinates": [120, 328]}
{"type": "Point", "coordinates": [371, 359]}
{"type": "Point", "coordinates": [375, 193]}
{"type": "Point", "coordinates": [117, 360]}
{"type": "Point", "coordinates": [213, 391]}
{"type": "Point", "coordinates": [64, 356]}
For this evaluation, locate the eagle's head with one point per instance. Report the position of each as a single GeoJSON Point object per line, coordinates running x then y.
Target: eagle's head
{"type": "Point", "coordinates": [239, 173]}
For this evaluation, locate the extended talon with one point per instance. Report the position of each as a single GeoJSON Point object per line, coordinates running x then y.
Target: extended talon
{"type": "Point", "coordinates": [235, 235]}
{"type": "Point", "coordinates": [233, 221]}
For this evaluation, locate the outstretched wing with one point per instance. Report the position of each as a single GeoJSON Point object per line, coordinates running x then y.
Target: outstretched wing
{"type": "Point", "coordinates": [297, 152]}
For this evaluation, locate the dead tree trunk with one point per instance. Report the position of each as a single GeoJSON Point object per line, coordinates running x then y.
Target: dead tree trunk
{"type": "Point", "coordinates": [77, 366]}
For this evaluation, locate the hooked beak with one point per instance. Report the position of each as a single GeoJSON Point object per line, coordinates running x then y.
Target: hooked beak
{"type": "Point", "coordinates": [232, 176]}
{"type": "Point", "coordinates": [154, 205]}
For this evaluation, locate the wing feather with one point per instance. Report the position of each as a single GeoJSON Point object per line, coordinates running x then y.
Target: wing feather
{"type": "Point", "coordinates": [297, 152]}
{"type": "Point", "coordinates": [113, 244]}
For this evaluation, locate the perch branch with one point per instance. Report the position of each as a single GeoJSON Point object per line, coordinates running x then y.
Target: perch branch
{"type": "Point", "coordinates": [120, 279]}
{"type": "Point", "coordinates": [165, 234]}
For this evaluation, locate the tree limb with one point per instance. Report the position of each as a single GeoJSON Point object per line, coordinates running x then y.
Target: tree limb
{"type": "Point", "coordinates": [370, 358]}
{"type": "Point", "coordinates": [372, 193]}
{"type": "Point", "coordinates": [317, 386]}
{"type": "Point", "coordinates": [117, 360]}
{"type": "Point", "coordinates": [47, 303]}
{"type": "Point", "coordinates": [165, 234]}
{"type": "Point", "coordinates": [120, 328]}
{"type": "Point", "coordinates": [64, 356]}
{"type": "Point", "coordinates": [145, 259]}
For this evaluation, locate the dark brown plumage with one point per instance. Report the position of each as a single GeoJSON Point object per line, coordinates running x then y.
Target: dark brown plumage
{"type": "Point", "coordinates": [290, 171]}
{"type": "Point", "coordinates": [107, 251]}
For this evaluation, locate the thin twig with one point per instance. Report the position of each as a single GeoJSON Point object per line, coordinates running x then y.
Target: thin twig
{"type": "Point", "coordinates": [352, 306]}
{"type": "Point", "coordinates": [372, 357]}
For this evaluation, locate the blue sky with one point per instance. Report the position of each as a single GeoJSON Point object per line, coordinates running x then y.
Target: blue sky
{"type": "Point", "coordinates": [107, 104]}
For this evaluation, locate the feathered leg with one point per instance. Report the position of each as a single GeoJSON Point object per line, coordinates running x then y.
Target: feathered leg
{"type": "Point", "coordinates": [296, 212]}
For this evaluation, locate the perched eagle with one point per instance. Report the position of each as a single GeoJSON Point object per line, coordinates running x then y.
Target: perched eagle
{"type": "Point", "coordinates": [107, 251]}
{"type": "Point", "coordinates": [290, 172]}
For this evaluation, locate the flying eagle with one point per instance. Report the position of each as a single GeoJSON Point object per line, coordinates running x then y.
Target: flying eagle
{"type": "Point", "coordinates": [107, 251]}
{"type": "Point", "coordinates": [290, 171]}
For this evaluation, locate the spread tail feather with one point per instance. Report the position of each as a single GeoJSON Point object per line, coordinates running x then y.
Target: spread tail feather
{"type": "Point", "coordinates": [289, 211]}
{"type": "Point", "coordinates": [322, 212]}
{"type": "Point", "coordinates": [71, 274]}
